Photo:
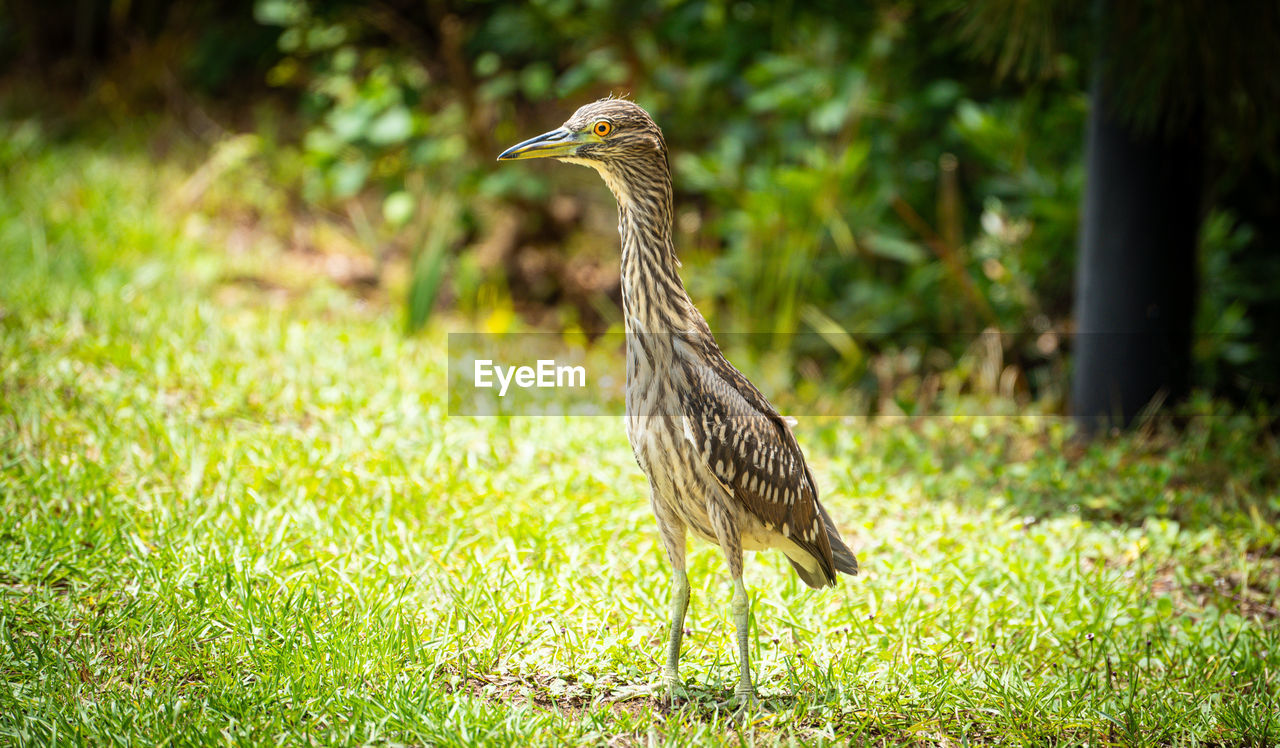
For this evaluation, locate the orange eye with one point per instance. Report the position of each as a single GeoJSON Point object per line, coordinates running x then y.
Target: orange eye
{"type": "Point", "coordinates": [602, 128]}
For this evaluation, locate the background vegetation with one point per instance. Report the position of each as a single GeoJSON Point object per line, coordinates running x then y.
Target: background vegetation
{"type": "Point", "coordinates": [907, 173]}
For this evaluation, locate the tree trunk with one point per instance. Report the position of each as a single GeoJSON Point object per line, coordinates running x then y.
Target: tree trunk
{"type": "Point", "coordinates": [1135, 281]}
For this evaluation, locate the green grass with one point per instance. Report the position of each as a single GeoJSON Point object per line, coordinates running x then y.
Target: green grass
{"type": "Point", "coordinates": [232, 516]}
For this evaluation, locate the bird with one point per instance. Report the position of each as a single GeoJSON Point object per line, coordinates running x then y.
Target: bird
{"type": "Point", "coordinates": [721, 462]}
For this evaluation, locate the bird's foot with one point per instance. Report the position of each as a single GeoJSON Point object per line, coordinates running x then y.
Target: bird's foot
{"type": "Point", "coordinates": [668, 690]}
{"type": "Point", "coordinates": [744, 698]}
{"type": "Point", "coordinates": [672, 689]}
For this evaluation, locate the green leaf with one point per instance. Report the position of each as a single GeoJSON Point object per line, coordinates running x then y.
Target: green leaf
{"type": "Point", "coordinates": [536, 79]}
{"type": "Point", "coordinates": [347, 177]}
{"type": "Point", "coordinates": [392, 126]}
{"type": "Point", "coordinates": [894, 248]}
{"type": "Point", "coordinates": [487, 64]}
{"type": "Point", "coordinates": [428, 274]}
{"type": "Point", "coordinates": [349, 123]}
{"type": "Point", "coordinates": [279, 12]}
{"type": "Point", "coordinates": [397, 209]}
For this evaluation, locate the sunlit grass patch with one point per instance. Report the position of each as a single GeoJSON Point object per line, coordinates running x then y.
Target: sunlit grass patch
{"type": "Point", "coordinates": [224, 519]}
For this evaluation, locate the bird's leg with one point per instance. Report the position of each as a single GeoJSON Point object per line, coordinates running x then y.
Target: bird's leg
{"type": "Point", "coordinates": [679, 604]}
{"type": "Point", "coordinates": [722, 520]}
{"type": "Point", "coordinates": [671, 529]}
{"type": "Point", "coordinates": [741, 608]}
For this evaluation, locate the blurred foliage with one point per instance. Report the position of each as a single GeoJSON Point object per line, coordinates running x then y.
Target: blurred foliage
{"type": "Point", "coordinates": [844, 170]}
{"type": "Point", "coordinates": [1197, 71]}
{"type": "Point", "coordinates": [895, 176]}
{"type": "Point", "coordinates": [1175, 65]}
{"type": "Point", "coordinates": [908, 171]}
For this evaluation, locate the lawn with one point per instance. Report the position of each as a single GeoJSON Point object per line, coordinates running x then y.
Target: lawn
{"type": "Point", "coordinates": [236, 510]}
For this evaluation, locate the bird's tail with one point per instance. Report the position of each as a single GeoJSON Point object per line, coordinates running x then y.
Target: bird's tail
{"type": "Point", "coordinates": [811, 569]}
{"type": "Point", "coordinates": [814, 577]}
{"type": "Point", "coordinates": [845, 562]}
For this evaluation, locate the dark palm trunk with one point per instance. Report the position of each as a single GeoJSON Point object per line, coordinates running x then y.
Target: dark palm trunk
{"type": "Point", "coordinates": [1136, 279]}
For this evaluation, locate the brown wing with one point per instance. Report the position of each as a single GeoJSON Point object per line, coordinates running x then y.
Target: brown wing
{"type": "Point", "coordinates": [751, 451]}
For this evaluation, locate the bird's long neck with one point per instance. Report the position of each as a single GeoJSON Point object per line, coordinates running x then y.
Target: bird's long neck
{"type": "Point", "coordinates": [653, 298]}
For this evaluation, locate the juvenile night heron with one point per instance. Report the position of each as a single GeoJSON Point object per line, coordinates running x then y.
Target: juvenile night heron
{"type": "Point", "coordinates": [720, 460]}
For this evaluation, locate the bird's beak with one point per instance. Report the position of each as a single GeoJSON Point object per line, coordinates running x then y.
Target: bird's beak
{"type": "Point", "coordinates": [558, 142]}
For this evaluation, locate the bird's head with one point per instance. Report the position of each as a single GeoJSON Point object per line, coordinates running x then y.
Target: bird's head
{"type": "Point", "coordinates": [602, 134]}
